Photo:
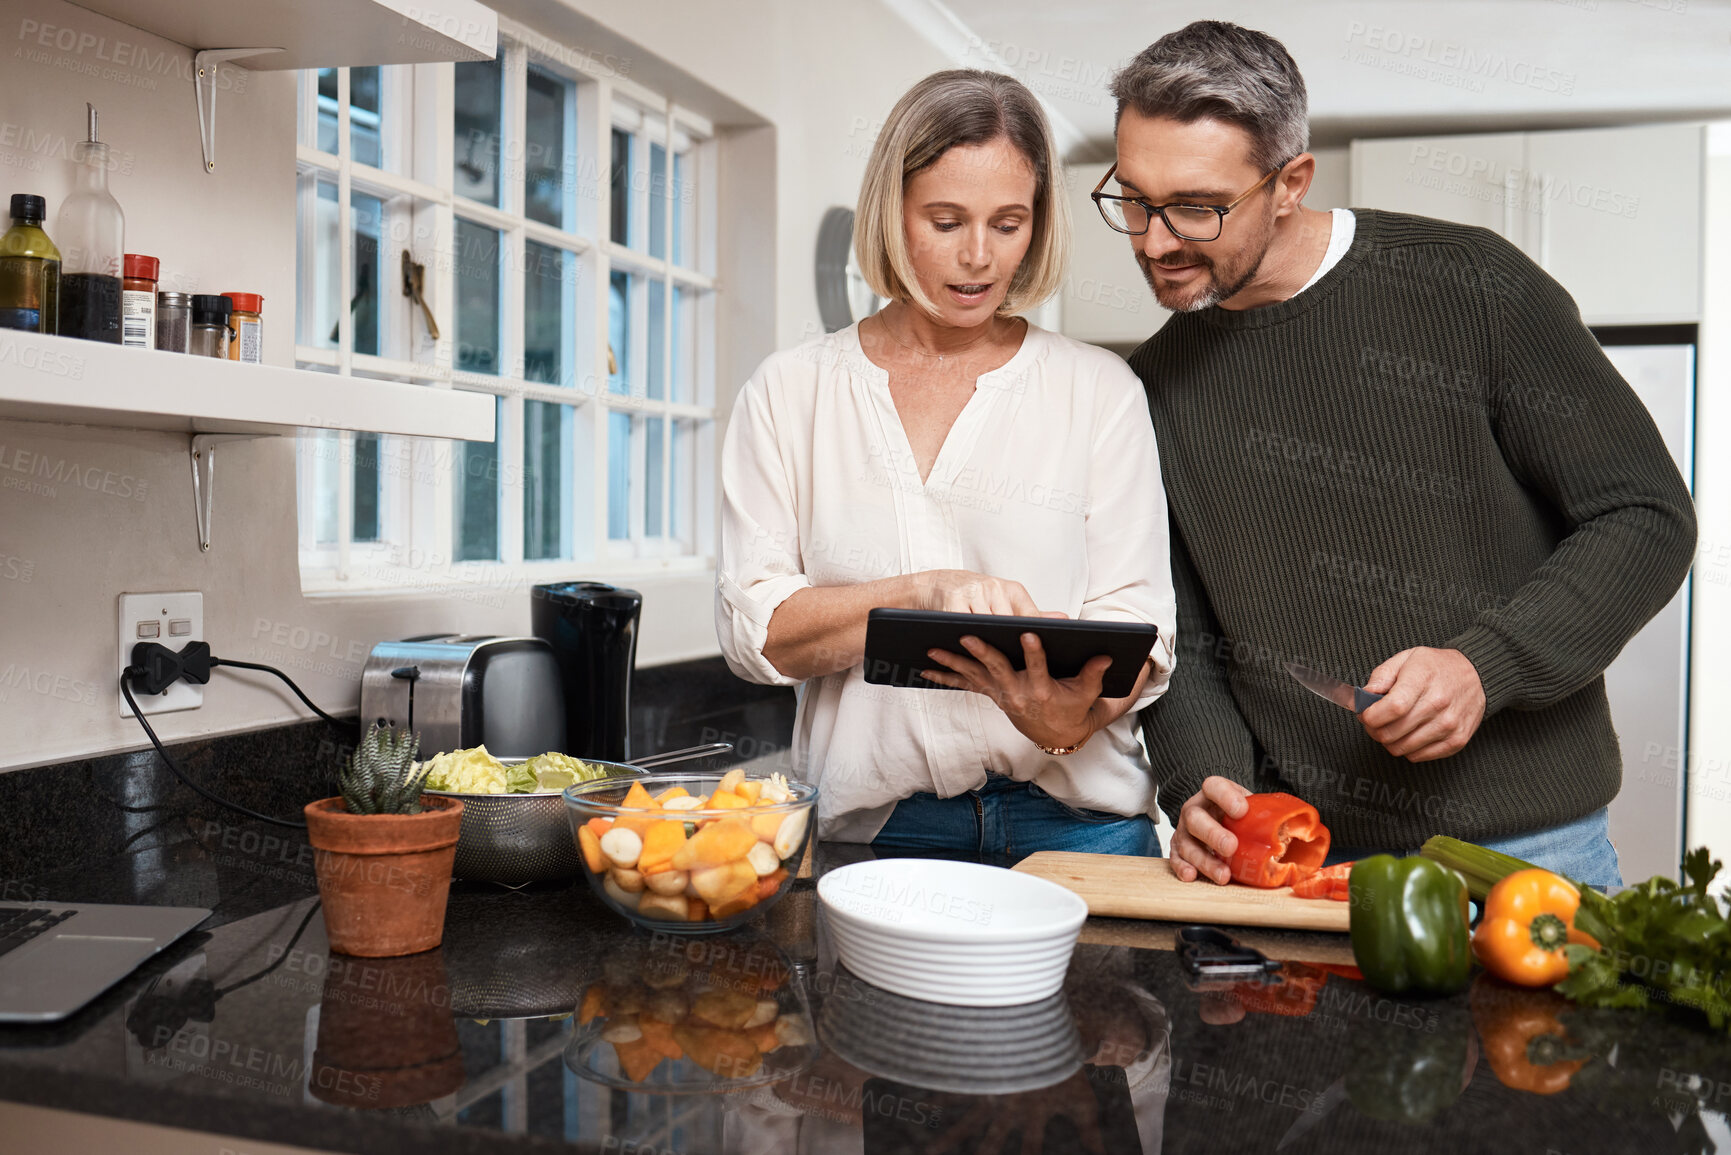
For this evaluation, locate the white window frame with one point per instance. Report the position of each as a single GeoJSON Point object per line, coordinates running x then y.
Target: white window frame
{"type": "Point", "coordinates": [418, 492]}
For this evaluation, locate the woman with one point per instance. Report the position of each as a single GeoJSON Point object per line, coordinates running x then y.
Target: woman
{"type": "Point", "coordinates": [947, 455]}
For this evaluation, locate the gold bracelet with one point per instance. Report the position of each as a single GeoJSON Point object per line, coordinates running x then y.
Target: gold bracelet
{"type": "Point", "coordinates": [1057, 750]}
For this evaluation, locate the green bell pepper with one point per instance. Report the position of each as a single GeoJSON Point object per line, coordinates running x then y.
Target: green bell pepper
{"type": "Point", "coordinates": [1409, 925]}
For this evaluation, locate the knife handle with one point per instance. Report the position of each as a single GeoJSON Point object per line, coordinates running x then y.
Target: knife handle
{"type": "Point", "coordinates": [1362, 699]}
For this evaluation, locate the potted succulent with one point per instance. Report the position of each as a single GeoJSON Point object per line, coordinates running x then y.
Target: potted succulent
{"type": "Point", "coordinates": [383, 852]}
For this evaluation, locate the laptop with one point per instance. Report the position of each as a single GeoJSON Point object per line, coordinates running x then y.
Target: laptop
{"type": "Point", "coordinates": [55, 958]}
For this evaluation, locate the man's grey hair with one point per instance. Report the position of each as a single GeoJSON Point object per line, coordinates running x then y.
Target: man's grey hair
{"type": "Point", "coordinates": [1214, 70]}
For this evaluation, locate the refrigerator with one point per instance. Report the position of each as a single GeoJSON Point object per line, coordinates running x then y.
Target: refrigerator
{"type": "Point", "coordinates": [1648, 684]}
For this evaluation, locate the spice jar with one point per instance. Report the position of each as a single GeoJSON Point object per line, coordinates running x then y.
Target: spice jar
{"type": "Point", "coordinates": [246, 328]}
{"type": "Point", "coordinates": [173, 321]}
{"type": "Point", "coordinates": [209, 335]}
{"type": "Point", "coordinates": [138, 301]}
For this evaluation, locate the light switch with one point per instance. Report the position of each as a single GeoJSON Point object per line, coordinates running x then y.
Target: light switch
{"type": "Point", "coordinates": [152, 629]}
{"type": "Point", "coordinates": [180, 627]}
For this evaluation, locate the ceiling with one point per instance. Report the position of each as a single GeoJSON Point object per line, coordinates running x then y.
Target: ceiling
{"type": "Point", "coordinates": [1390, 67]}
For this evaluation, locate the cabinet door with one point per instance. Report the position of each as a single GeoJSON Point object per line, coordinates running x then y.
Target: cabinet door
{"type": "Point", "coordinates": [1615, 215]}
{"type": "Point", "coordinates": [1105, 301]}
{"type": "Point", "coordinates": [1472, 180]}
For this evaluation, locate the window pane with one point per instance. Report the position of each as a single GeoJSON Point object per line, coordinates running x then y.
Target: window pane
{"type": "Point", "coordinates": [547, 188]}
{"type": "Point", "coordinates": [477, 298]}
{"type": "Point", "coordinates": [657, 201]}
{"type": "Point", "coordinates": [476, 533]}
{"type": "Point", "coordinates": [327, 100]}
{"type": "Point", "coordinates": [548, 336]}
{"type": "Point", "coordinates": [318, 326]}
{"type": "Point", "coordinates": [619, 332]}
{"type": "Point", "coordinates": [368, 216]}
{"type": "Point", "coordinates": [326, 459]}
{"type": "Point", "coordinates": [681, 195]}
{"type": "Point", "coordinates": [654, 430]}
{"type": "Point", "coordinates": [621, 193]}
{"type": "Point", "coordinates": [684, 479]}
{"type": "Point", "coordinates": [619, 476]}
{"type": "Point", "coordinates": [684, 345]}
{"type": "Point", "coordinates": [657, 360]}
{"type": "Point", "coordinates": [365, 524]}
{"type": "Point", "coordinates": [477, 131]}
{"type": "Point", "coordinates": [364, 108]}
{"type": "Point", "coordinates": [547, 462]}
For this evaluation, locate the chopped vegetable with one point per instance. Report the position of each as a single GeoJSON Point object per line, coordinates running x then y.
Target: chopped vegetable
{"type": "Point", "coordinates": [1481, 866]}
{"type": "Point", "coordinates": [1281, 839]}
{"type": "Point", "coordinates": [1659, 941]}
{"type": "Point", "coordinates": [1528, 918]}
{"type": "Point", "coordinates": [1409, 925]}
{"type": "Point", "coordinates": [475, 771]}
{"type": "Point", "coordinates": [622, 847]}
{"type": "Point", "coordinates": [1328, 882]}
{"type": "Point", "coordinates": [660, 843]}
{"type": "Point", "coordinates": [667, 881]}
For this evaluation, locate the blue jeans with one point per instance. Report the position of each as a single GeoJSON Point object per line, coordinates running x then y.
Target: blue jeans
{"type": "Point", "coordinates": [1009, 819]}
{"type": "Point", "coordinates": [1580, 850]}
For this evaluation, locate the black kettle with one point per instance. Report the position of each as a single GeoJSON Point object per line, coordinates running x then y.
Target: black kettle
{"type": "Point", "coordinates": [592, 628]}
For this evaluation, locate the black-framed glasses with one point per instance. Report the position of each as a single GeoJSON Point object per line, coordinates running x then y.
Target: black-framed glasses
{"type": "Point", "coordinates": [1187, 222]}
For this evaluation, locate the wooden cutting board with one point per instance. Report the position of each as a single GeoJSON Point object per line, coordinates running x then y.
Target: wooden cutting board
{"type": "Point", "coordinates": [1120, 886]}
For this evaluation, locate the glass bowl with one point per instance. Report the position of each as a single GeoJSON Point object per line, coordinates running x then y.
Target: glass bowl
{"type": "Point", "coordinates": [712, 867]}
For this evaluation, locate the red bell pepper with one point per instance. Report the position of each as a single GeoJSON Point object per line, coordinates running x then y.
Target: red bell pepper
{"type": "Point", "coordinates": [1281, 840]}
{"type": "Point", "coordinates": [1328, 882]}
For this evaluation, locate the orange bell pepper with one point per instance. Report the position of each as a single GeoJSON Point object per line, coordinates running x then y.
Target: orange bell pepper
{"type": "Point", "coordinates": [1529, 917]}
{"type": "Point", "coordinates": [1523, 1040]}
{"type": "Point", "coordinates": [1281, 840]}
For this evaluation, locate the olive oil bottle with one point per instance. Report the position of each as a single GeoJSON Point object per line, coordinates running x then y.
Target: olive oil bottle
{"type": "Point", "coordinates": [93, 236]}
{"type": "Point", "coordinates": [29, 270]}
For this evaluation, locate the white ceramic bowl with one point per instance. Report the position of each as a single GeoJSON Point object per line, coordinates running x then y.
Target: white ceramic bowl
{"type": "Point", "coordinates": [956, 933]}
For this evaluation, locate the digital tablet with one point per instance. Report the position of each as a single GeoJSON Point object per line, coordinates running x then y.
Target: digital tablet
{"type": "Point", "coordinates": [897, 641]}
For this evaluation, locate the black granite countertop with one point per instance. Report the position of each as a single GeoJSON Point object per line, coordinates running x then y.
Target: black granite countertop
{"type": "Point", "coordinates": [251, 1028]}
{"type": "Point", "coordinates": [496, 1042]}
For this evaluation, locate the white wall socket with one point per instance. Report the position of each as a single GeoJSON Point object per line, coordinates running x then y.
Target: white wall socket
{"type": "Point", "coordinates": [172, 620]}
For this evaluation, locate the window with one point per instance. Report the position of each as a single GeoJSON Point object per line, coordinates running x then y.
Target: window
{"type": "Point", "coordinates": [559, 221]}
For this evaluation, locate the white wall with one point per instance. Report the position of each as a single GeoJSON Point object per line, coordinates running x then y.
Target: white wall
{"type": "Point", "coordinates": [67, 551]}
{"type": "Point", "coordinates": [1709, 798]}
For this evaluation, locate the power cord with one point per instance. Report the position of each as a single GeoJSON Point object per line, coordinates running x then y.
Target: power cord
{"type": "Point", "coordinates": [155, 668]}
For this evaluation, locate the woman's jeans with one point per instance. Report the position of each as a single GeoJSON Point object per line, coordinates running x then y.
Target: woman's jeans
{"type": "Point", "coordinates": [1580, 850]}
{"type": "Point", "coordinates": [1010, 819]}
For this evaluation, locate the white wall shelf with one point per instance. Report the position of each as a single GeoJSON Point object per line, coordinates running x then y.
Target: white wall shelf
{"type": "Point", "coordinates": [62, 380]}
{"type": "Point", "coordinates": [318, 33]}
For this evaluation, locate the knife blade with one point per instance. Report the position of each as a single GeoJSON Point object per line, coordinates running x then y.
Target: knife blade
{"type": "Point", "coordinates": [1340, 693]}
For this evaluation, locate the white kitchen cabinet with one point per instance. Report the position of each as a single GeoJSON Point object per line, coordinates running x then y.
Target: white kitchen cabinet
{"type": "Point", "coordinates": [1466, 179]}
{"type": "Point", "coordinates": [1105, 300]}
{"type": "Point", "coordinates": [1614, 214]}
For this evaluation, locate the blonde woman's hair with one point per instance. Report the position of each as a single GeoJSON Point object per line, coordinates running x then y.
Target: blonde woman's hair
{"type": "Point", "coordinates": [960, 106]}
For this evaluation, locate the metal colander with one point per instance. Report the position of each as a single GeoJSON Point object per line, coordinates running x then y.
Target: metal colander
{"type": "Point", "coordinates": [516, 839]}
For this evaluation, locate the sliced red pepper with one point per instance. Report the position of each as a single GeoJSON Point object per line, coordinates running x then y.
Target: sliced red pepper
{"type": "Point", "coordinates": [1293, 995]}
{"type": "Point", "coordinates": [1328, 882]}
{"type": "Point", "coordinates": [1281, 839]}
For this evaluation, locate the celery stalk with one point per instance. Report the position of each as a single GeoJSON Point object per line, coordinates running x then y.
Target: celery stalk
{"type": "Point", "coordinates": [1482, 867]}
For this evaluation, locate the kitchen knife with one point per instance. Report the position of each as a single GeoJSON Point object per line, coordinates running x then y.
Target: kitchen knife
{"type": "Point", "coordinates": [1335, 690]}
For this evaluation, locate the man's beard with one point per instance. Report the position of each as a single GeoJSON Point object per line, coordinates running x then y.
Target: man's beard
{"type": "Point", "coordinates": [1212, 293]}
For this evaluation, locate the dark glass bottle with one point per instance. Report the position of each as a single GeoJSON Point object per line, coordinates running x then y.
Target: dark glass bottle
{"type": "Point", "coordinates": [29, 270]}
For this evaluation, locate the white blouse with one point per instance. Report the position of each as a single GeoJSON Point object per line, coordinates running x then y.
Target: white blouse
{"type": "Point", "coordinates": [1049, 477]}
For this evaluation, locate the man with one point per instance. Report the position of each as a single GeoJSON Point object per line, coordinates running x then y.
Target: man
{"type": "Point", "coordinates": [1392, 452]}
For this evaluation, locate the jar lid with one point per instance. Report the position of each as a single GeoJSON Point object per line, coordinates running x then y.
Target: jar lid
{"type": "Point", "coordinates": [28, 207]}
{"type": "Point", "coordinates": [141, 267]}
{"type": "Point", "coordinates": [246, 302]}
{"type": "Point", "coordinates": [208, 310]}
{"type": "Point", "coordinates": [174, 300]}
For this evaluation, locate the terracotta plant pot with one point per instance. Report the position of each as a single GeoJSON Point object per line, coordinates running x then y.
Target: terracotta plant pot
{"type": "Point", "coordinates": [384, 878]}
{"type": "Point", "coordinates": [386, 1035]}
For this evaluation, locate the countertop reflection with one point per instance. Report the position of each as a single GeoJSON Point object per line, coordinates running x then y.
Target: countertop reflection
{"type": "Point", "coordinates": [544, 1021]}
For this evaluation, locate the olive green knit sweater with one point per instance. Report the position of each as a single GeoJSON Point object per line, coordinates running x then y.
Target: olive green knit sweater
{"type": "Point", "coordinates": [1424, 448]}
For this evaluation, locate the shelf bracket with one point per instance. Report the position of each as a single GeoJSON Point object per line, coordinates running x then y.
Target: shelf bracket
{"type": "Point", "coordinates": [202, 452]}
{"type": "Point", "coordinates": [205, 64]}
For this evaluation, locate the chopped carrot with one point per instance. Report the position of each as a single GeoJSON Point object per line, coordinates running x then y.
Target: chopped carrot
{"type": "Point", "coordinates": [594, 1003]}
{"type": "Point", "coordinates": [637, 798]}
{"type": "Point", "coordinates": [599, 825]}
{"type": "Point", "coordinates": [697, 910]}
{"type": "Point", "coordinates": [591, 847]}
{"type": "Point", "coordinates": [660, 843]}
{"type": "Point", "coordinates": [770, 883]}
